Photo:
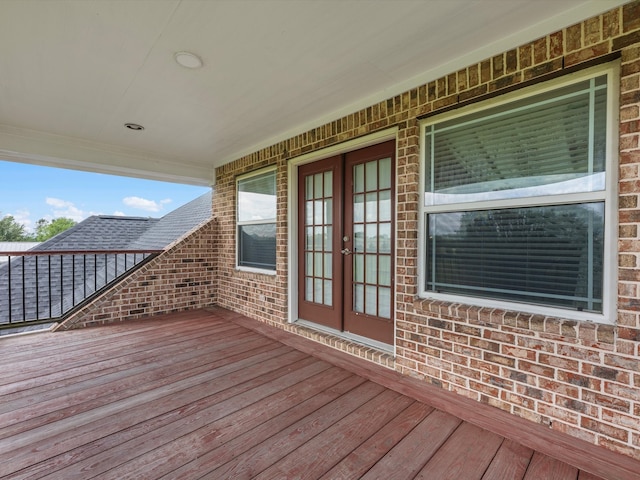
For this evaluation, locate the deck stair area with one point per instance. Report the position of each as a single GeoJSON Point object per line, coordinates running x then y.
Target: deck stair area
{"type": "Point", "coordinates": [213, 394]}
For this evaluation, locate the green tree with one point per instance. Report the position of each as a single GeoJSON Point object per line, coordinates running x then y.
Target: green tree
{"type": "Point", "coordinates": [46, 229]}
{"type": "Point", "coordinates": [12, 231]}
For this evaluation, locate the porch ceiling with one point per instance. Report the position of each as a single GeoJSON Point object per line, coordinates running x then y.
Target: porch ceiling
{"type": "Point", "coordinates": [73, 73]}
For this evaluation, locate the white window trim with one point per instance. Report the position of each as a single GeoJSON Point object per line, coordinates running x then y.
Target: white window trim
{"type": "Point", "coordinates": [242, 268]}
{"type": "Point", "coordinates": [609, 307]}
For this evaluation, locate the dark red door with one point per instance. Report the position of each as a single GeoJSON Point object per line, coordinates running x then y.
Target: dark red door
{"type": "Point", "coordinates": [346, 242]}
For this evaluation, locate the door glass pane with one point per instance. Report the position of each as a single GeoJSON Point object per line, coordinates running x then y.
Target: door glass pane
{"type": "Point", "coordinates": [385, 237]}
{"type": "Point", "coordinates": [371, 269]}
{"type": "Point", "coordinates": [358, 208]}
{"type": "Point", "coordinates": [317, 290]}
{"type": "Point", "coordinates": [308, 268]}
{"type": "Point", "coordinates": [317, 212]}
{"type": "Point", "coordinates": [358, 298]}
{"type": "Point", "coordinates": [384, 270]}
{"type": "Point", "coordinates": [328, 265]}
{"type": "Point", "coordinates": [328, 184]}
{"type": "Point", "coordinates": [317, 238]}
{"type": "Point", "coordinates": [371, 300]}
{"type": "Point", "coordinates": [358, 178]}
{"type": "Point", "coordinates": [371, 209]}
{"type": "Point", "coordinates": [328, 211]}
{"type": "Point", "coordinates": [385, 174]}
{"type": "Point", "coordinates": [384, 302]}
{"type": "Point", "coordinates": [358, 267]}
{"type": "Point", "coordinates": [385, 206]}
{"type": "Point", "coordinates": [317, 265]}
{"type": "Point", "coordinates": [308, 215]}
{"type": "Point", "coordinates": [317, 188]}
{"type": "Point", "coordinates": [371, 169]}
{"type": "Point", "coordinates": [328, 239]}
{"type": "Point", "coordinates": [308, 294]}
{"type": "Point", "coordinates": [328, 294]}
{"type": "Point", "coordinates": [372, 237]}
{"type": "Point", "coordinates": [308, 238]}
{"type": "Point", "coordinates": [358, 238]}
{"type": "Point", "coordinates": [309, 187]}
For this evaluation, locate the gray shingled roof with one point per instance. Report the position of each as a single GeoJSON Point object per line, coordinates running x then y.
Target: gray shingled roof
{"type": "Point", "coordinates": [100, 232]}
{"type": "Point", "coordinates": [174, 224]}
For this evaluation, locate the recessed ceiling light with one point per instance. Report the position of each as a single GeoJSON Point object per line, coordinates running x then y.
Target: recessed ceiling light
{"type": "Point", "coordinates": [188, 60]}
{"type": "Point", "coordinates": [134, 126]}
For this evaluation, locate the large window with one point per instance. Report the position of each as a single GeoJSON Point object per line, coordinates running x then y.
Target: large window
{"type": "Point", "coordinates": [517, 201]}
{"type": "Point", "coordinates": [257, 220]}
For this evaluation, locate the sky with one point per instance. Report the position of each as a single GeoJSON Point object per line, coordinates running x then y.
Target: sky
{"type": "Point", "coordinates": [31, 192]}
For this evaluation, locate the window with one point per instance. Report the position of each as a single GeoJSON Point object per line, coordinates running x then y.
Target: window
{"type": "Point", "coordinates": [518, 200]}
{"type": "Point", "coordinates": [257, 220]}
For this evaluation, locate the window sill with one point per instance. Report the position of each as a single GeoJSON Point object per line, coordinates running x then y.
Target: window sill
{"type": "Point", "coordinates": [271, 273]}
{"type": "Point", "coordinates": [573, 331]}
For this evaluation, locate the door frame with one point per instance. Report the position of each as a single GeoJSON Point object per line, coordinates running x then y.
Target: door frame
{"type": "Point", "coordinates": [292, 222]}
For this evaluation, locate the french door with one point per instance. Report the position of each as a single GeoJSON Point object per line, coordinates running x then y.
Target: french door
{"type": "Point", "coordinates": [346, 242]}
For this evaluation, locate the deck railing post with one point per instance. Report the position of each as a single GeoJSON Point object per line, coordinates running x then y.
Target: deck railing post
{"type": "Point", "coordinates": [37, 290]}
{"type": "Point", "coordinates": [9, 285]}
{"type": "Point", "coordinates": [49, 282]}
{"type": "Point", "coordinates": [24, 297]}
{"type": "Point", "coordinates": [61, 283]}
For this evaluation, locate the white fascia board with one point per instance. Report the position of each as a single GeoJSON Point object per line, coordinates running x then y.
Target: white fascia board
{"type": "Point", "coordinates": [39, 148]}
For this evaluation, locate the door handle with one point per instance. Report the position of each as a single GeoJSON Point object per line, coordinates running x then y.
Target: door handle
{"type": "Point", "coordinates": [345, 251]}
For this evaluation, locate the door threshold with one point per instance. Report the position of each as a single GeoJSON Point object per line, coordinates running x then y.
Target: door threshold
{"type": "Point", "coordinates": [348, 336]}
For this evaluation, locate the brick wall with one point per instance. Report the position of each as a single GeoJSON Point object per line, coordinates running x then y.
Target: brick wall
{"type": "Point", "coordinates": [577, 377]}
{"type": "Point", "coordinates": [252, 294]}
{"type": "Point", "coordinates": [183, 277]}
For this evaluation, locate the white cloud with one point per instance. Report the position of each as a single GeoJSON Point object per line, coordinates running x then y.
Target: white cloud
{"type": "Point", "coordinates": [144, 204]}
{"type": "Point", "coordinates": [58, 203]}
{"type": "Point", "coordinates": [64, 208]}
{"type": "Point", "coordinates": [23, 217]}
{"type": "Point", "coordinates": [118, 213]}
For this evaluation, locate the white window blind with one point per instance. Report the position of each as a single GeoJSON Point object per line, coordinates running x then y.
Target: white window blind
{"type": "Point", "coordinates": [257, 221]}
{"type": "Point", "coordinates": [515, 200]}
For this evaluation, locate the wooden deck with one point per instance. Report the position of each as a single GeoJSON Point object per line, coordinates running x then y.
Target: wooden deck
{"type": "Point", "coordinates": [211, 394]}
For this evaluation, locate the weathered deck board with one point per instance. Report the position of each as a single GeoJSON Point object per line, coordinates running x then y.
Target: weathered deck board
{"type": "Point", "coordinates": [466, 454]}
{"type": "Point", "coordinates": [407, 458]}
{"type": "Point", "coordinates": [332, 445]}
{"type": "Point", "coordinates": [231, 446]}
{"type": "Point", "coordinates": [363, 458]}
{"type": "Point", "coordinates": [543, 466]}
{"type": "Point", "coordinates": [511, 461]}
{"type": "Point", "coordinates": [260, 457]}
{"type": "Point", "coordinates": [211, 394]}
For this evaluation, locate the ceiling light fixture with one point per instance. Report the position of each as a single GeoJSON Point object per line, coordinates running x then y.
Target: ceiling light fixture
{"type": "Point", "coordinates": [134, 126]}
{"type": "Point", "coordinates": [188, 60]}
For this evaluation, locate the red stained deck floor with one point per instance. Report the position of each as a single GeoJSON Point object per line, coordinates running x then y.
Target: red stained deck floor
{"type": "Point", "coordinates": [211, 394]}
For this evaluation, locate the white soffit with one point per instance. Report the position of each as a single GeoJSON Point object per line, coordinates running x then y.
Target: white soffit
{"type": "Point", "coordinates": [72, 73]}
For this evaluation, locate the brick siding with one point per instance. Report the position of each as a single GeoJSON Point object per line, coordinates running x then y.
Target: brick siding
{"type": "Point", "coordinates": [577, 377]}
{"type": "Point", "coordinates": [183, 277]}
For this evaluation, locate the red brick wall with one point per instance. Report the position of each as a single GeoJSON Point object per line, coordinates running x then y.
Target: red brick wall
{"type": "Point", "coordinates": [183, 277]}
{"type": "Point", "coordinates": [578, 377]}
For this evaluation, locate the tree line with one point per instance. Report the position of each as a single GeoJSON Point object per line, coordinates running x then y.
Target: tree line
{"type": "Point", "coordinates": [12, 231]}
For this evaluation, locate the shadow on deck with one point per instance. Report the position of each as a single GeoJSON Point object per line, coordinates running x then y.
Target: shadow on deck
{"type": "Point", "coordinates": [212, 394]}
